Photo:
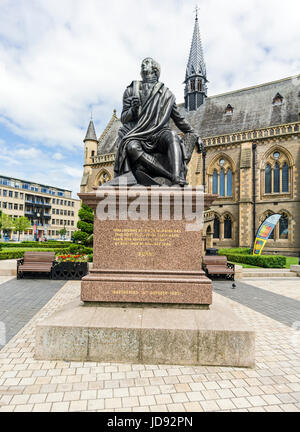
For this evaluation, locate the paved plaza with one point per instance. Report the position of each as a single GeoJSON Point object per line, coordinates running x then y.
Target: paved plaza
{"type": "Point", "coordinates": [271, 307]}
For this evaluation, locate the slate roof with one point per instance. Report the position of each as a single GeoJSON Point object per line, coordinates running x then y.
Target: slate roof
{"type": "Point", "coordinates": [107, 141]}
{"type": "Point", "coordinates": [91, 133]}
{"type": "Point", "coordinates": [253, 108]}
{"type": "Point", "coordinates": [196, 64]}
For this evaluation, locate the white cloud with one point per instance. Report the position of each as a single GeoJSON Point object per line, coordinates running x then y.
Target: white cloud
{"type": "Point", "coordinates": [58, 156]}
{"type": "Point", "coordinates": [59, 60]}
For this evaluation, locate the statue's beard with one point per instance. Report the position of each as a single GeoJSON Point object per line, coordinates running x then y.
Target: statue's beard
{"type": "Point", "coordinates": [149, 76]}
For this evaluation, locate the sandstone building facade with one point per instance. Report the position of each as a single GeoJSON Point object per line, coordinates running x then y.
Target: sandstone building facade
{"type": "Point", "coordinates": [251, 160]}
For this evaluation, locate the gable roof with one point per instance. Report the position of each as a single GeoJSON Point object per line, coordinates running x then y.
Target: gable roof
{"type": "Point", "coordinates": [107, 140]}
{"type": "Point", "coordinates": [253, 108]}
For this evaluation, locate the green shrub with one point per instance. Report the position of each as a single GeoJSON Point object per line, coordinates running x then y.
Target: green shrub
{"type": "Point", "coordinates": [86, 214]}
{"type": "Point", "coordinates": [75, 248]}
{"type": "Point", "coordinates": [80, 249]}
{"type": "Point", "coordinates": [90, 258]}
{"type": "Point", "coordinates": [14, 254]}
{"type": "Point", "coordinates": [85, 226]}
{"type": "Point", "coordinates": [266, 261]}
{"type": "Point", "coordinates": [224, 251]}
{"type": "Point", "coordinates": [11, 255]}
{"type": "Point", "coordinates": [39, 245]}
{"type": "Point", "coordinates": [80, 236]}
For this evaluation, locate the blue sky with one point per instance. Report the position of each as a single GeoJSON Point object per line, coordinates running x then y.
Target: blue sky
{"type": "Point", "coordinates": [61, 59]}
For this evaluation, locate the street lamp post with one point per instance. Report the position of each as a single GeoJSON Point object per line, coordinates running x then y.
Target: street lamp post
{"type": "Point", "coordinates": [36, 225]}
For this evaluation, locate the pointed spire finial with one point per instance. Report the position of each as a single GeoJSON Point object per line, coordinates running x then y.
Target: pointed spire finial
{"type": "Point", "coordinates": [92, 115]}
{"type": "Point", "coordinates": [91, 133]}
{"type": "Point", "coordinates": [195, 77]}
{"type": "Point", "coordinates": [196, 63]}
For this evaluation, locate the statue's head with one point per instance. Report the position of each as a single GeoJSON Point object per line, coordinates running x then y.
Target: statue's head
{"type": "Point", "coordinates": [149, 67]}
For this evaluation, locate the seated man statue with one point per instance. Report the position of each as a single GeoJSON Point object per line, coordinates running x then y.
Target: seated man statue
{"type": "Point", "coordinates": [149, 151]}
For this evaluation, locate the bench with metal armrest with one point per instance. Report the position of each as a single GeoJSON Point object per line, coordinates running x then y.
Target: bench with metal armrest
{"type": "Point", "coordinates": [35, 262]}
{"type": "Point", "coordinates": [217, 266]}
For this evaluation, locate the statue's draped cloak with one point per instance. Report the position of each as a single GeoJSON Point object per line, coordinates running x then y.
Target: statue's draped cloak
{"type": "Point", "coordinates": [146, 125]}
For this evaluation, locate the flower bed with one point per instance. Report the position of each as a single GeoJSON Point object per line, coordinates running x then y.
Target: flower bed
{"type": "Point", "coordinates": [70, 267]}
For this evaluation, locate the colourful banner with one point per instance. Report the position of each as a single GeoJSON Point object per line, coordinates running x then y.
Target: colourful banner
{"type": "Point", "coordinates": [264, 232]}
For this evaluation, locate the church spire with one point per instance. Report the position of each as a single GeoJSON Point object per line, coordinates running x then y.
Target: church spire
{"type": "Point", "coordinates": [195, 77]}
{"type": "Point", "coordinates": [90, 133]}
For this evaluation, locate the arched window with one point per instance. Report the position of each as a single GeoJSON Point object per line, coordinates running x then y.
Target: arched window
{"type": "Point", "coordinates": [221, 177]}
{"type": "Point", "coordinates": [229, 183]}
{"type": "Point", "coordinates": [216, 227]}
{"type": "Point", "coordinates": [222, 183]}
{"type": "Point", "coordinates": [227, 227]}
{"type": "Point", "coordinates": [285, 177]}
{"type": "Point", "coordinates": [215, 182]}
{"type": "Point", "coordinates": [284, 227]}
{"type": "Point", "coordinates": [268, 179]}
{"type": "Point", "coordinates": [192, 85]}
{"type": "Point", "coordinates": [276, 178]}
{"type": "Point", "coordinates": [199, 85]}
{"type": "Point", "coordinates": [103, 178]}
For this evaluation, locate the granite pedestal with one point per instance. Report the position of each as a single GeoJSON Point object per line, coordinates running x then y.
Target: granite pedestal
{"type": "Point", "coordinates": [157, 260]}
{"type": "Point", "coordinates": [146, 300]}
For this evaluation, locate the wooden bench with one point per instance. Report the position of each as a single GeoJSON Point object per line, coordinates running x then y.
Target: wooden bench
{"type": "Point", "coordinates": [217, 266]}
{"type": "Point", "coordinates": [35, 262]}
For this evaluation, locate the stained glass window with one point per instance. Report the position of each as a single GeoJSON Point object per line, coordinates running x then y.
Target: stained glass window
{"type": "Point", "coordinates": [216, 227]}
{"type": "Point", "coordinates": [215, 182]}
{"type": "Point", "coordinates": [276, 178]}
{"type": "Point", "coordinates": [283, 227]}
{"type": "Point", "coordinates": [268, 179]}
{"type": "Point", "coordinates": [285, 178]}
{"type": "Point", "coordinates": [222, 183]}
{"type": "Point", "coordinates": [229, 183]}
{"type": "Point", "coordinates": [227, 227]}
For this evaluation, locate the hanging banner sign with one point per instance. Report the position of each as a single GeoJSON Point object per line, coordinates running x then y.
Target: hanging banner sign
{"type": "Point", "coordinates": [264, 232]}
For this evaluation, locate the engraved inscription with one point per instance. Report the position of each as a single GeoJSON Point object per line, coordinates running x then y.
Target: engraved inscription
{"type": "Point", "coordinates": [145, 237]}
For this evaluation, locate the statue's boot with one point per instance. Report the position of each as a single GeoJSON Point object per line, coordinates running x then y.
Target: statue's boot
{"type": "Point", "coordinates": [176, 156]}
{"type": "Point", "coordinates": [154, 167]}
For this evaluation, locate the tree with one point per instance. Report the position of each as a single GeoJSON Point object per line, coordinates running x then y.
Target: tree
{"type": "Point", "coordinates": [7, 223]}
{"type": "Point", "coordinates": [85, 225]}
{"type": "Point", "coordinates": [63, 232]}
{"type": "Point", "coordinates": [21, 224]}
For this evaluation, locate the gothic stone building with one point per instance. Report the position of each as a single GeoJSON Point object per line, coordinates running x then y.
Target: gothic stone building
{"type": "Point", "coordinates": [252, 160]}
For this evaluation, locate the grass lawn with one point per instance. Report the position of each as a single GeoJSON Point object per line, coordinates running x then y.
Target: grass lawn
{"type": "Point", "coordinates": [245, 265]}
{"type": "Point", "coordinates": [291, 261]}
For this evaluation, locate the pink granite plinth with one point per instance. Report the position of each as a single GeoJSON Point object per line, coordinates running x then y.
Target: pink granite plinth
{"type": "Point", "coordinates": [146, 261]}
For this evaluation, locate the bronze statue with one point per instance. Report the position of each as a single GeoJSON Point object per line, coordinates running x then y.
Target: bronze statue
{"type": "Point", "coordinates": [149, 151]}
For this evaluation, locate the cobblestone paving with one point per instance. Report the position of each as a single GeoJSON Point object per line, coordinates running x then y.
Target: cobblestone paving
{"type": "Point", "coordinates": [273, 385]}
{"type": "Point", "coordinates": [20, 300]}
{"type": "Point", "coordinates": [272, 304]}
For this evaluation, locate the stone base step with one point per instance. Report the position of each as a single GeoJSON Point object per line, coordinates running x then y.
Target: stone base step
{"type": "Point", "coordinates": [8, 267]}
{"type": "Point", "coordinates": [268, 273]}
{"type": "Point", "coordinates": [147, 335]}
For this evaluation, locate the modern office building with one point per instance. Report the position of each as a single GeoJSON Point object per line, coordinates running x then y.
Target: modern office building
{"type": "Point", "coordinates": [49, 209]}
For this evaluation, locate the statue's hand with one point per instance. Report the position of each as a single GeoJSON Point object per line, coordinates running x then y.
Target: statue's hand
{"type": "Point", "coordinates": [135, 103]}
